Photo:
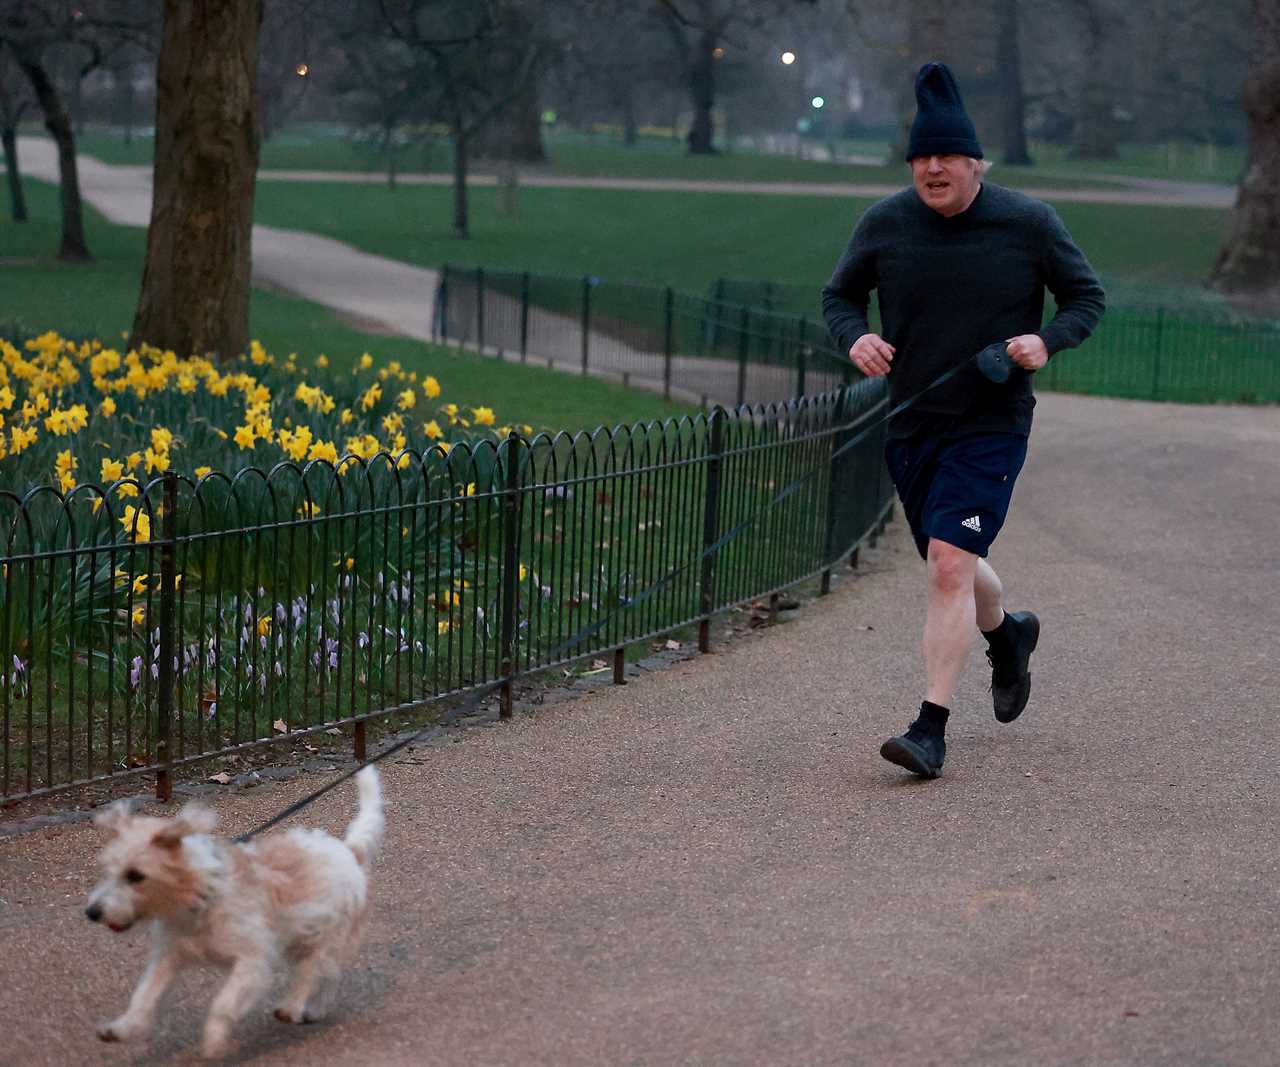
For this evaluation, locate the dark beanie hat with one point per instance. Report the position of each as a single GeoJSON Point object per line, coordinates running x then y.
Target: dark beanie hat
{"type": "Point", "coordinates": [942, 127]}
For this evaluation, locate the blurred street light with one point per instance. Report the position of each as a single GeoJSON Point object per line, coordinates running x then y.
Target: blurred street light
{"type": "Point", "coordinates": [302, 70]}
{"type": "Point", "coordinates": [818, 103]}
{"type": "Point", "coordinates": [788, 58]}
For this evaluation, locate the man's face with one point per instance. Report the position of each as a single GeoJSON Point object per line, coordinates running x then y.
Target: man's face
{"type": "Point", "coordinates": [947, 184]}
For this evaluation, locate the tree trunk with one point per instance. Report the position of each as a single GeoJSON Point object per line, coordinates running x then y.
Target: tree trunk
{"type": "Point", "coordinates": [524, 123]}
{"type": "Point", "coordinates": [1009, 64]}
{"type": "Point", "coordinates": [195, 285]}
{"type": "Point", "coordinates": [1249, 263]}
{"type": "Point", "coordinates": [460, 211]}
{"type": "Point", "coordinates": [702, 91]}
{"type": "Point", "coordinates": [1095, 135]}
{"type": "Point", "coordinates": [17, 202]}
{"type": "Point", "coordinates": [926, 40]}
{"type": "Point", "coordinates": [630, 130]}
{"type": "Point", "coordinates": [74, 249]}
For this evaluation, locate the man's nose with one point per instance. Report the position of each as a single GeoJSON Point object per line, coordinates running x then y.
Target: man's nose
{"type": "Point", "coordinates": [94, 912]}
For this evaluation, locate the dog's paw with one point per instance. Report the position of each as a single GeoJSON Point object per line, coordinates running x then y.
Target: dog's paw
{"type": "Point", "coordinates": [117, 1030]}
{"type": "Point", "coordinates": [291, 1015]}
{"type": "Point", "coordinates": [216, 1044]}
{"type": "Point", "coordinates": [216, 1050]}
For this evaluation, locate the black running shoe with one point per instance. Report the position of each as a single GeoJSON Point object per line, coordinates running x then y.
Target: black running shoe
{"type": "Point", "coordinates": [1010, 668]}
{"type": "Point", "coordinates": [920, 750]}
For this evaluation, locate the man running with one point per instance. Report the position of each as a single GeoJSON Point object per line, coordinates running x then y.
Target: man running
{"type": "Point", "coordinates": [957, 265]}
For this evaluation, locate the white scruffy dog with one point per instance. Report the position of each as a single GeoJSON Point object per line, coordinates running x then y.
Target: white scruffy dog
{"type": "Point", "coordinates": [298, 897]}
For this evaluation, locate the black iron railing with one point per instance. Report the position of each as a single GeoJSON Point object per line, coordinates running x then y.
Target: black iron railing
{"type": "Point", "coordinates": [761, 341]}
{"type": "Point", "coordinates": [689, 347]}
{"type": "Point", "coordinates": [142, 632]}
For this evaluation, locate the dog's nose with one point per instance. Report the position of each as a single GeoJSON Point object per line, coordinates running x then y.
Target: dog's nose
{"type": "Point", "coordinates": [94, 912]}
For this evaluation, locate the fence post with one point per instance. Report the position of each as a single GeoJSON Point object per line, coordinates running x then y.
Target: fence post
{"type": "Point", "coordinates": [524, 317]}
{"type": "Point", "coordinates": [440, 320]}
{"type": "Point", "coordinates": [744, 339]}
{"type": "Point", "coordinates": [668, 343]}
{"type": "Point", "coordinates": [838, 437]}
{"type": "Point", "coordinates": [710, 528]}
{"type": "Point", "coordinates": [480, 310]}
{"type": "Point", "coordinates": [510, 572]}
{"type": "Point", "coordinates": [800, 356]}
{"type": "Point", "coordinates": [586, 321]}
{"type": "Point", "coordinates": [1155, 355]}
{"type": "Point", "coordinates": [168, 616]}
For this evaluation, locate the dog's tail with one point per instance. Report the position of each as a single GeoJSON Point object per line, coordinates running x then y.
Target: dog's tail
{"type": "Point", "coordinates": [364, 835]}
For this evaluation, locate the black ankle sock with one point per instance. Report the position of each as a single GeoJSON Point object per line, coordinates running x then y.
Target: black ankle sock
{"type": "Point", "coordinates": [1002, 636]}
{"type": "Point", "coordinates": [933, 716]}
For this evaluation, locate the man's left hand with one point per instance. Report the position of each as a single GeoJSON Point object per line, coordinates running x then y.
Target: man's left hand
{"type": "Point", "coordinates": [1028, 351]}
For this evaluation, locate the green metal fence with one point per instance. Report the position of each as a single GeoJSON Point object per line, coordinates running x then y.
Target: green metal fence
{"type": "Point", "coordinates": [1155, 342]}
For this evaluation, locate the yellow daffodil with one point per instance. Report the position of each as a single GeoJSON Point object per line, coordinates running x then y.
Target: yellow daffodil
{"type": "Point", "coordinates": [430, 387]}
{"type": "Point", "coordinates": [136, 523]}
{"type": "Point", "coordinates": [432, 430]}
{"type": "Point", "coordinates": [366, 361]}
{"type": "Point", "coordinates": [406, 400]}
{"type": "Point", "coordinates": [139, 615]}
{"type": "Point", "coordinates": [483, 416]}
{"type": "Point", "coordinates": [324, 450]}
{"type": "Point", "coordinates": [107, 408]}
{"type": "Point", "coordinates": [112, 469]}
{"type": "Point", "coordinates": [245, 437]}
{"type": "Point", "coordinates": [202, 471]}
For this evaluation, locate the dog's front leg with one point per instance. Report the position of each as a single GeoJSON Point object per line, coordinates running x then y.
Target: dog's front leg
{"type": "Point", "coordinates": [249, 979]}
{"type": "Point", "coordinates": [137, 1018]}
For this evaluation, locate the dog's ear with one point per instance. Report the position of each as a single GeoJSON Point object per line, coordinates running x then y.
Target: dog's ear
{"type": "Point", "coordinates": [192, 819]}
{"type": "Point", "coordinates": [114, 816]}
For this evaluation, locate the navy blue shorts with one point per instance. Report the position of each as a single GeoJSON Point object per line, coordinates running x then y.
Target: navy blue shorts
{"type": "Point", "coordinates": [956, 489]}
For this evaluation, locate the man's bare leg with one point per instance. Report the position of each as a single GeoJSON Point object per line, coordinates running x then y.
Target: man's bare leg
{"type": "Point", "coordinates": [951, 617]}
{"type": "Point", "coordinates": [988, 593]}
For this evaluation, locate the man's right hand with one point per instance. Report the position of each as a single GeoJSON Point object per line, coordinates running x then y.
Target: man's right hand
{"type": "Point", "coordinates": [872, 355]}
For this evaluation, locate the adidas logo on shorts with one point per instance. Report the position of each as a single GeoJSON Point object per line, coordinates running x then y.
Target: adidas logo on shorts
{"type": "Point", "coordinates": [972, 524]}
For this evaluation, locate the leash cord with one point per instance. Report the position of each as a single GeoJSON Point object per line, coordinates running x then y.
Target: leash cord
{"type": "Point", "coordinates": [484, 692]}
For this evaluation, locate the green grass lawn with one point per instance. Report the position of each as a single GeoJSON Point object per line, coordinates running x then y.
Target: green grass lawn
{"type": "Point", "coordinates": [328, 148]}
{"type": "Point", "coordinates": [98, 299]}
{"type": "Point", "coordinates": [687, 240]}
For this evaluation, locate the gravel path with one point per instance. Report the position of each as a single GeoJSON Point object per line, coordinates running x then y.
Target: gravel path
{"type": "Point", "coordinates": [712, 864]}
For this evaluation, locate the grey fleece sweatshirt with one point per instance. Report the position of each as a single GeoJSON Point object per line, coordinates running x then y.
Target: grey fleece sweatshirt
{"type": "Point", "coordinates": [948, 287]}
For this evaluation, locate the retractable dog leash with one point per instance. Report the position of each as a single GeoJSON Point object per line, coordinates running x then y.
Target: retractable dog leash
{"type": "Point", "coordinates": [993, 363]}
